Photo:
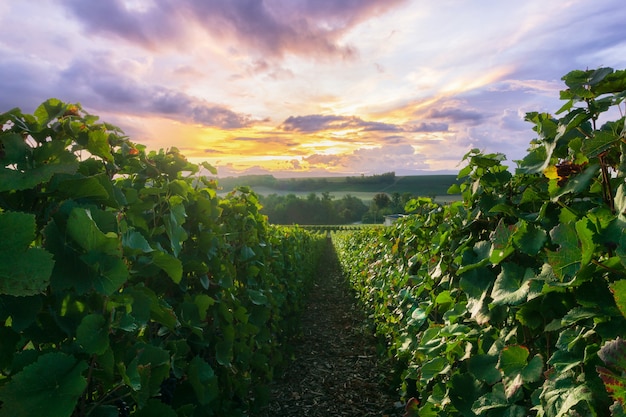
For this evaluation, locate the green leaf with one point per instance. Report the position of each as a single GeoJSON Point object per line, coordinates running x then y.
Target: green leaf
{"type": "Point", "coordinates": [49, 110]}
{"type": "Point", "coordinates": [111, 272]}
{"type": "Point", "coordinates": [203, 380]}
{"type": "Point", "coordinates": [93, 334]}
{"type": "Point", "coordinates": [501, 242]}
{"type": "Point", "coordinates": [618, 288]}
{"type": "Point", "coordinates": [465, 390]}
{"type": "Point", "coordinates": [11, 179]}
{"type": "Point", "coordinates": [83, 187]}
{"type": "Point", "coordinates": [512, 284]}
{"type": "Point", "coordinates": [566, 261]}
{"type": "Point", "coordinates": [496, 399]}
{"type": "Point", "coordinates": [224, 352]}
{"type": "Point", "coordinates": [168, 263]}
{"type": "Point", "coordinates": [146, 371]}
{"type": "Point", "coordinates": [599, 143]}
{"type": "Point", "coordinates": [84, 230]}
{"type": "Point", "coordinates": [23, 270]}
{"type": "Point", "coordinates": [49, 387]}
{"type": "Point", "coordinates": [173, 226]}
{"type": "Point", "coordinates": [529, 238]}
{"type": "Point", "coordinates": [14, 147]}
{"type": "Point", "coordinates": [98, 144]}
{"type": "Point", "coordinates": [483, 367]}
{"type": "Point", "coordinates": [434, 367]}
{"type": "Point", "coordinates": [561, 396]}
{"type": "Point", "coordinates": [514, 361]}
{"type": "Point", "coordinates": [135, 243]}
{"type": "Point", "coordinates": [257, 297]}
{"type": "Point", "coordinates": [155, 408]}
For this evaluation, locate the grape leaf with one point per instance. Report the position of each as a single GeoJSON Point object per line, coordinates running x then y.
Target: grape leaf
{"type": "Point", "coordinates": [93, 334]}
{"type": "Point", "coordinates": [49, 387]}
{"type": "Point", "coordinates": [23, 270]}
{"type": "Point", "coordinates": [203, 380]}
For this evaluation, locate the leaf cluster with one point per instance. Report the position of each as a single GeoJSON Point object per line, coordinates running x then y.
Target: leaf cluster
{"type": "Point", "coordinates": [127, 286]}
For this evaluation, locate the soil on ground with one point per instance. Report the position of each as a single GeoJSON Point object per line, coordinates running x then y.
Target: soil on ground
{"type": "Point", "coordinates": [336, 369]}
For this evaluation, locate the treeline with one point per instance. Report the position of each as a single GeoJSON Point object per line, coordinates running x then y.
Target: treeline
{"type": "Point", "coordinates": [314, 209]}
{"type": "Point", "coordinates": [385, 178]}
{"type": "Point", "coordinates": [324, 209]}
{"type": "Point", "coordinates": [304, 184]}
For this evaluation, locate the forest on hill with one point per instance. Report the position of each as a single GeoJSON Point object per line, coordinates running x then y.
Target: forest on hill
{"type": "Point", "coordinates": [340, 200]}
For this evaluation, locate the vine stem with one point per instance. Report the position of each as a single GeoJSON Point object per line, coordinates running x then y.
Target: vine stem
{"type": "Point", "coordinates": [606, 183]}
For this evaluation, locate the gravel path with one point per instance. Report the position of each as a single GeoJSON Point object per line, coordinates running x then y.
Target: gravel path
{"type": "Point", "coordinates": [336, 371]}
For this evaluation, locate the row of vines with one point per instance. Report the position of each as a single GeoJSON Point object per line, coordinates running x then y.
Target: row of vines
{"type": "Point", "coordinates": [127, 286]}
{"type": "Point", "coordinates": [511, 302]}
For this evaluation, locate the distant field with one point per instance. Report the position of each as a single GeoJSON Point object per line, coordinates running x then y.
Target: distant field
{"type": "Point", "coordinates": [435, 186]}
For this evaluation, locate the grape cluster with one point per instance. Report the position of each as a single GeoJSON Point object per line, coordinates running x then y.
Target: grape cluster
{"type": "Point", "coordinates": [168, 386]}
{"type": "Point", "coordinates": [123, 410]}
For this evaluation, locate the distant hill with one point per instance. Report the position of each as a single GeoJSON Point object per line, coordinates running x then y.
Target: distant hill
{"type": "Point", "coordinates": [360, 186]}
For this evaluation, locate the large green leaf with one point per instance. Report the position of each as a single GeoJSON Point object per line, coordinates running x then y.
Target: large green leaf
{"type": "Point", "coordinates": [93, 334]}
{"type": "Point", "coordinates": [529, 238]}
{"type": "Point", "coordinates": [49, 110]}
{"type": "Point", "coordinates": [146, 371]}
{"type": "Point", "coordinates": [566, 260]}
{"type": "Point", "coordinates": [14, 147]}
{"type": "Point", "coordinates": [168, 263]}
{"type": "Point", "coordinates": [49, 387]}
{"type": "Point", "coordinates": [484, 368]}
{"type": "Point", "coordinates": [512, 284]}
{"type": "Point", "coordinates": [516, 368]}
{"type": "Point", "coordinates": [11, 179]}
{"type": "Point", "coordinates": [84, 230]}
{"type": "Point", "coordinates": [98, 144]}
{"type": "Point", "coordinates": [599, 143]}
{"type": "Point", "coordinates": [203, 380]}
{"type": "Point", "coordinates": [23, 270]}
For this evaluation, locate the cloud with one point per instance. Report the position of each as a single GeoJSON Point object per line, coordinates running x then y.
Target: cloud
{"type": "Point", "coordinates": [265, 141]}
{"type": "Point", "coordinates": [101, 82]}
{"type": "Point", "coordinates": [319, 123]}
{"type": "Point", "coordinates": [400, 157]}
{"type": "Point", "coordinates": [456, 114]}
{"type": "Point", "coordinates": [269, 28]}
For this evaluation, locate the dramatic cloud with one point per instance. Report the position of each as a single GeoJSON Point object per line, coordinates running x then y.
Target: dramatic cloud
{"type": "Point", "coordinates": [309, 86]}
{"type": "Point", "coordinates": [271, 27]}
{"type": "Point", "coordinates": [98, 82]}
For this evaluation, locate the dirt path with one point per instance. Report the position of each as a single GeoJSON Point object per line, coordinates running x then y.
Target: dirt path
{"type": "Point", "coordinates": [336, 371]}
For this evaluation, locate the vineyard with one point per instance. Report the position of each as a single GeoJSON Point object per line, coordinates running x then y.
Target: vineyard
{"type": "Point", "coordinates": [511, 302]}
{"type": "Point", "coordinates": [128, 286]}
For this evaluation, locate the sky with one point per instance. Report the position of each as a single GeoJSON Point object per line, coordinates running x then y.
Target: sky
{"type": "Point", "coordinates": [309, 87]}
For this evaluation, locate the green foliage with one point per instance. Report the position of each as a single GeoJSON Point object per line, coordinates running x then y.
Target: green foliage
{"type": "Point", "coordinates": [510, 303]}
{"type": "Point", "coordinates": [127, 283]}
{"type": "Point", "coordinates": [290, 209]}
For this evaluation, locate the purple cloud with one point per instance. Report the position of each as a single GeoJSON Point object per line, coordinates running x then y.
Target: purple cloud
{"type": "Point", "coordinates": [271, 27]}
{"type": "Point", "coordinates": [456, 115]}
{"type": "Point", "coordinates": [99, 83]}
{"type": "Point", "coordinates": [317, 122]}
